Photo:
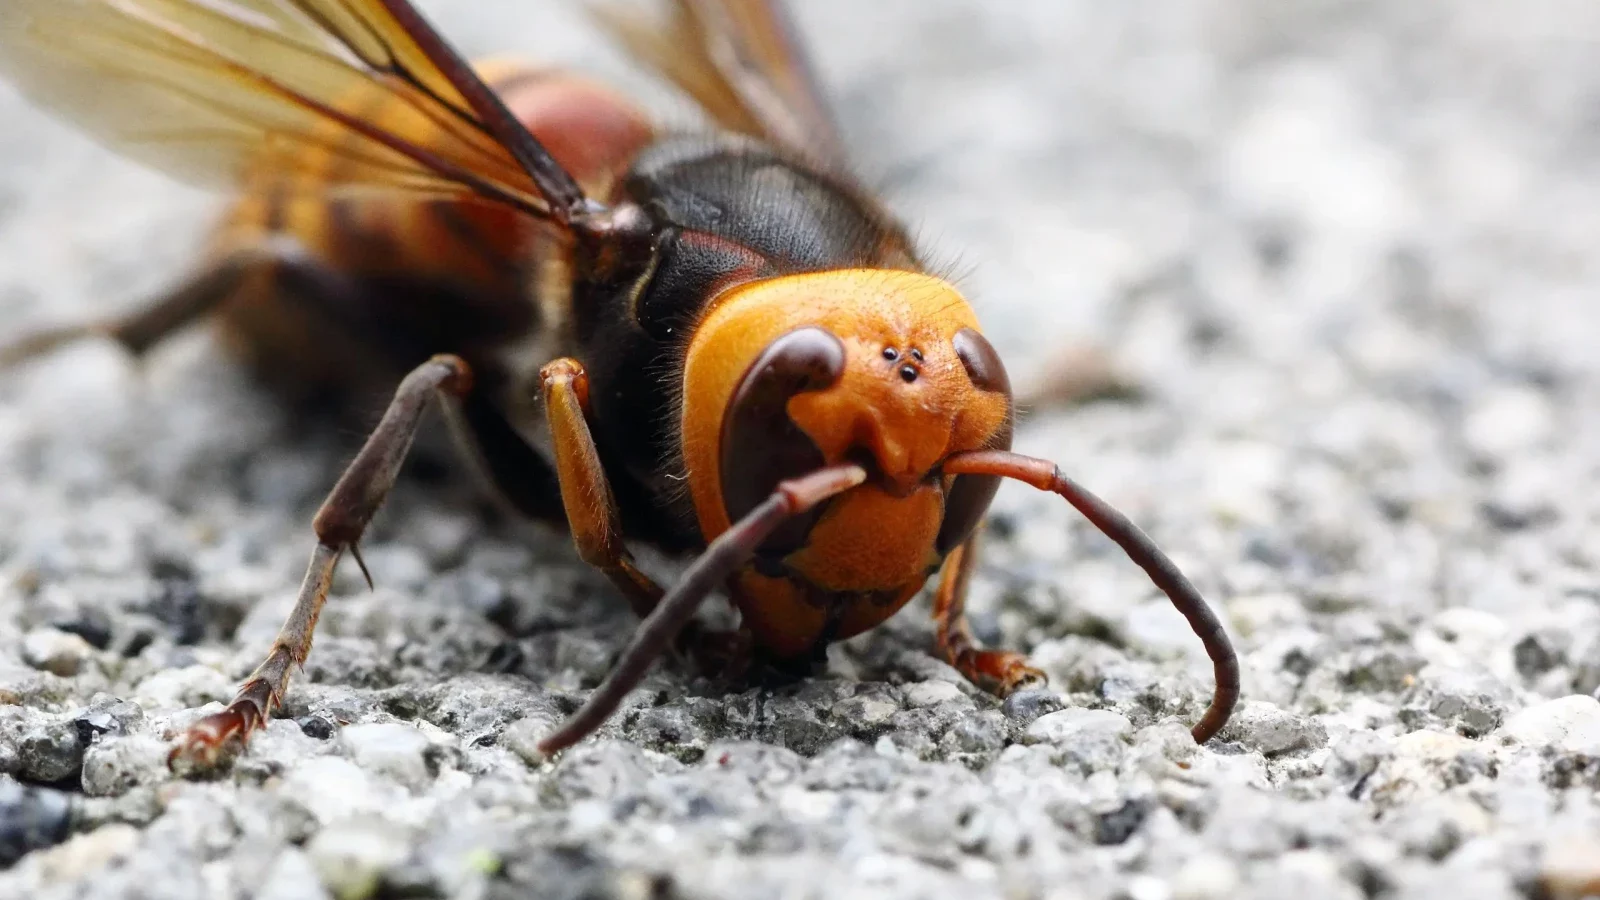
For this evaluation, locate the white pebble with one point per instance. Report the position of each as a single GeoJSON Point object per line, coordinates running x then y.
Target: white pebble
{"type": "Point", "coordinates": [1068, 723]}
{"type": "Point", "coordinates": [57, 652]}
{"type": "Point", "coordinates": [351, 856]}
{"type": "Point", "coordinates": [931, 693]}
{"type": "Point", "coordinates": [389, 749]}
{"type": "Point", "coordinates": [1570, 724]}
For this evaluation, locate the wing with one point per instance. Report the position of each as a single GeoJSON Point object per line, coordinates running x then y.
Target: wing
{"type": "Point", "coordinates": [345, 93]}
{"type": "Point", "coordinates": [742, 62]}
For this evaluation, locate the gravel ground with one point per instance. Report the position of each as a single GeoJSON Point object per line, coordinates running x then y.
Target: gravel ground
{"type": "Point", "coordinates": [1344, 251]}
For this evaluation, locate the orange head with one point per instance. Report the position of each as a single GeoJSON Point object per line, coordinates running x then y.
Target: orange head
{"type": "Point", "coordinates": [882, 368]}
{"type": "Point", "coordinates": [842, 431]}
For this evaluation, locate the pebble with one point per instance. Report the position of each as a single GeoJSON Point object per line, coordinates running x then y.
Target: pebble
{"type": "Point", "coordinates": [1025, 706]}
{"type": "Point", "coordinates": [1067, 724]}
{"type": "Point", "coordinates": [1538, 653]}
{"type": "Point", "coordinates": [31, 818]}
{"type": "Point", "coordinates": [351, 855]}
{"type": "Point", "coordinates": [332, 788]}
{"type": "Point", "coordinates": [114, 766]}
{"type": "Point", "coordinates": [867, 711]}
{"type": "Point", "coordinates": [398, 751]}
{"type": "Point", "coordinates": [292, 876]}
{"type": "Point", "coordinates": [57, 652]}
{"type": "Point", "coordinates": [1570, 867]}
{"type": "Point", "coordinates": [1206, 878]}
{"type": "Point", "coordinates": [1570, 724]}
{"type": "Point", "coordinates": [931, 693]}
{"type": "Point", "coordinates": [984, 733]}
{"type": "Point", "coordinates": [107, 716]}
{"type": "Point", "coordinates": [683, 728]}
{"type": "Point", "coordinates": [1425, 763]}
{"type": "Point", "coordinates": [1272, 731]}
{"type": "Point", "coordinates": [523, 736]}
{"type": "Point", "coordinates": [89, 853]}
{"type": "Point", "coordinates": [1507, 421]}
{"type": "Point", "coordinates": [1083, 740]}
{"type": "Point", "coordinates": [51, 753]}
{"type": "Point", "coordinates": [1470, 700]}
{"type": "Point", "coordinates": [184, 687]}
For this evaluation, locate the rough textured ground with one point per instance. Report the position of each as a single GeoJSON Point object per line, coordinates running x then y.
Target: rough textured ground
{"type": "Point", "coordinates": [1347, 250]}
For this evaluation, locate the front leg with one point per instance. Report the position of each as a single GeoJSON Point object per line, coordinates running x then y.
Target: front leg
{"type": "Point", "coordinates": [339, 525]}
{"type": "Point", "coordinates": [998, 671]}
{"type": "Point", "coordinates": [596, 523]}
{"type": "Point", "coordinates": [592, 513]}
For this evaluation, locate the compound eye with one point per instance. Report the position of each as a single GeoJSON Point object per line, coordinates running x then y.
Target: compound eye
{"type": "Point", "coordinates": [970, 495]}
{"type": "Point", "coordinates": [761, 445]}
{"type": "Point", "coordinates": [982, 363]}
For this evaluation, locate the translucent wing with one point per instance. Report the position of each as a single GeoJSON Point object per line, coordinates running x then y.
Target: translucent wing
{"type": "Point", "coordinates": [742, 62]}
{"type": "Point", "coordinates": [340, 93]}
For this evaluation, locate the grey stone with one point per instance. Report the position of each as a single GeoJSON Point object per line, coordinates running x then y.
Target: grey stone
{"type": "Point", "coordinates": [522, 737]}
{"type": "Point", "coordinates": [52, 752]}
{"type": "Point", "coordinates": [31, 818]}
{"type": "Point", "coordinates": [1538, 653]}
{"type": "Point", "coordinates": [292, 876]}
{"type": "Point", "coordinates": [1028, 705]}
{"type": "Point", "coordinates": [56, 652]}
{"type": "Point", "coordinates": [352, 856]}
{"type": "Point", "coordinates": [1273, 731]}
{"type": "Point", "coordinates": [1472, 701]}
{"type": "Point", "coordinates": [1067, 724]}
{"type": "Point", "coordinates": [113, 766]}
{"type": "Point", "coordinates": [931, 693]}
{"type": "Point", "coordinates": [392, 749]}
{"type": "Point", "coordinates": [798, 725]}
{"type": "Point", "coordinates": [683, 729]}
{"type": "Point", "coordinates": [607, 769]}
{"type": "Point", "coordinates": [868, 712]}
{"type": "Point", "coordinates": [1571, 724]}
{"type": "Point", "coordinates": [1083, 740]}
{"type": "Point", "coordinates": [975, 738]}
{"type": "Point", "coordinates": [106, 717]}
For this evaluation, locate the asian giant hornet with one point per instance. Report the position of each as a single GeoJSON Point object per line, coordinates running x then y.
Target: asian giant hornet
{"type": "Point", "coordinates": [719, 345]}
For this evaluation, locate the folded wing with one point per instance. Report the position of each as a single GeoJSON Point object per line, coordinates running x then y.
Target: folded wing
{"type": "Point", "coordinates": [344, 93]}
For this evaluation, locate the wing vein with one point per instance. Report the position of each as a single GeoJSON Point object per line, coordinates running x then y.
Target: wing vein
{"type": "Point", "coordinates": [330, 93]}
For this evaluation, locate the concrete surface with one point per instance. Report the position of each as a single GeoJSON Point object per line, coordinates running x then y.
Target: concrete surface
{"type": "Point", "coordinates": [1345, 247]}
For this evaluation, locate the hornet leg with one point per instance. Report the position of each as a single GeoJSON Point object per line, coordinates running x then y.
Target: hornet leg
{"type": "Point", "coordinates": [596, 523]}
{"type": "Point", "coordinates": [162, 316]}
{"type": "Point", "coordinates": [339, 525]}
{"type": "Point", "coordinates": [998, 671]}
{"type": "Point", "coordinates": [591, 509]}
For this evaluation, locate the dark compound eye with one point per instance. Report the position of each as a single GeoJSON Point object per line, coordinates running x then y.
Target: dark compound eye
{"type": "Point", "coordinates": [982, 363]}
{"type": "Point", "coordinates": [969, 496]}
{"type": "Point", "coordinates": [761, 445]}
{"type": "Point", "coordinates": [891, 354]}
